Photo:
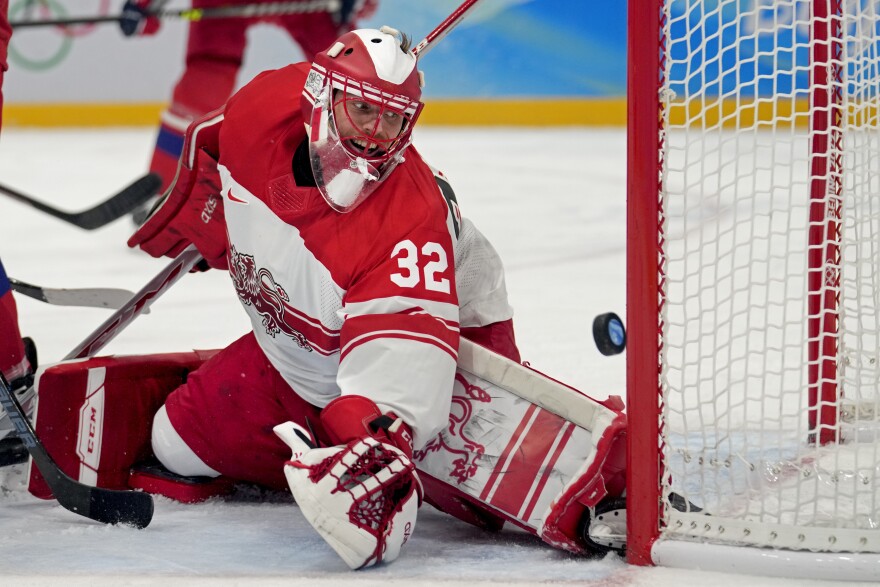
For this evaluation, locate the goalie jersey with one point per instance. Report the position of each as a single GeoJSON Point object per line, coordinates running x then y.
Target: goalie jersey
{"type": "Point", "coordinates": [364, 302]}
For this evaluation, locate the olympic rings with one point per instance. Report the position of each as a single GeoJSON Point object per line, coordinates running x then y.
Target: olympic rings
{"type": "Point", "coordinates": [50, 9]}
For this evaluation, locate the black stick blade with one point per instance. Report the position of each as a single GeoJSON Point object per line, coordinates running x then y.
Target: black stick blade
{"type": "Point", "coordinates": [122, 507]}
{"type": "Point", "coordinates": [97, 216]}
{"type": "Point", "coordinates": [119, 205]}
{"type": "Point", "coordinates": [109, 506]}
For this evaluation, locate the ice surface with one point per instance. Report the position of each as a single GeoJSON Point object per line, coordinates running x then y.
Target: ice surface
{"type": "Point", "coordinates": [552, 202]}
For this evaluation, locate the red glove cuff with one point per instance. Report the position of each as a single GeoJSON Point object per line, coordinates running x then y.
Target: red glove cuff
{"type": "Point", "coordinates": [353, 416]}
{"type": "Point", "coordinates": [150, 24]}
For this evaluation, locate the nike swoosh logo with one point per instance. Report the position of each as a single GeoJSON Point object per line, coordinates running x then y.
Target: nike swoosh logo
{"type": "Point", "coordinates": [233, 198]}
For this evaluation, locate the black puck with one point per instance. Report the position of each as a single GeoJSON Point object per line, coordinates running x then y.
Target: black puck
{"type": "Point", "coordinates": [12, 451]}
{"type": "Point", "coordinates": [609, 334]}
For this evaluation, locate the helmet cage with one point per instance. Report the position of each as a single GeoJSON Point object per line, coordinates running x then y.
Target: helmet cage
{"type": "Point", "coordinates": [345, 173]}
{"type": "Point", "coordinates": [348, 91]}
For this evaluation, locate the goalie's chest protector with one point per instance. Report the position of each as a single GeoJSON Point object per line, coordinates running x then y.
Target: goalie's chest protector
{"type": "Point", "coordinates": [303, 271]}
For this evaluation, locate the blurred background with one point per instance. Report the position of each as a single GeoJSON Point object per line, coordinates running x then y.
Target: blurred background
{"type": "Point", "coordinates": [513, 62]}
{"type": "Point", "coordinates": [525, 107]}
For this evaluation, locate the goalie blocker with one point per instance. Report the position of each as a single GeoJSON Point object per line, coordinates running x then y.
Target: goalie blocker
{"type": "Point", "coordinates": [520, 447]}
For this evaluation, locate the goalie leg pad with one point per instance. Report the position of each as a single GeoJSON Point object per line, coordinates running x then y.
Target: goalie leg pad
{"type": "Point", "coordinates": [94, 416]}
{"type": "Point", "coordinates": [524, 448]}
{"type": "Point", "coordinates": [362, 497]}
{"type": "Point", "coordinates": [152, 477]}
{"type": "Point", "coordinates": [456, 503]}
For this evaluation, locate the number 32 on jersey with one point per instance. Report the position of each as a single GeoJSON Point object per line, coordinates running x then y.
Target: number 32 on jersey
{"type": "Point", "coordinates": [426, 265]}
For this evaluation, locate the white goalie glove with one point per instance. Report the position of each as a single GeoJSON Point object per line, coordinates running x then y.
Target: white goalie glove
{"type": "Point", "coordinates": [361, 497]}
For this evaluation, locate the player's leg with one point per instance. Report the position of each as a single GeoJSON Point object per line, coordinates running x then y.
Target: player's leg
{"type": "Point", "coordinates": [313, 32]}
{"type": "Point", "coordinates": [13, 361]}
{"type": "Point", "coordinates": [221, 420]}
{"type": "Point", "coordinates": [14, 365]}
{"type": "Point", "coordinates": [213, 57]}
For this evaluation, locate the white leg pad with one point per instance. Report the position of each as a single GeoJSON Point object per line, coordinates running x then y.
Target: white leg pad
{"type": "Point", "coordinates": [526, 447]}
{"type": "Point", "coordinates": [173, 452]}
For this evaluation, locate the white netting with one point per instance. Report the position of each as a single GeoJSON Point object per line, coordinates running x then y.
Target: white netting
{"type": "Point", "coordinates": [740, 165]}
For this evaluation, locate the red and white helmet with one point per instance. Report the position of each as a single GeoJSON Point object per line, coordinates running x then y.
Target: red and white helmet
{"type": "Point", "coordinates": [366, 77]}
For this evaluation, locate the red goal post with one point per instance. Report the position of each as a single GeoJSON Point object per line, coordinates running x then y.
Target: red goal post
{"type": "Point", "coordinates": [753, 294]}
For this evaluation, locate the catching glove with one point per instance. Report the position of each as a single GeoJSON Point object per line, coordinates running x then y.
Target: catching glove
{"type": "Point", "coordinates": [361, 497]}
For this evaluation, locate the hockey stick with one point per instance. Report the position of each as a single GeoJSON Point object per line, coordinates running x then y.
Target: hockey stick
{"type": "Point", "coordinates": [444, 28]}
{"type": "Point", "coordinates": [107, 211]}
{"type": "Point", "coordinates": [138, 304]}
{"type": "Point", "coordinates": [193, 14]}
{"type": "Point", "coordinates": [109, 506]}
{"type": "Point", "coordinates": [91, 297]}
{"type": "Point", "coordinates": [103, 505]}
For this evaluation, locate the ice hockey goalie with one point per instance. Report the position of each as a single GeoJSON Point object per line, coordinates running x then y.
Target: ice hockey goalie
{"type": "Point", "coordinates": [519, 447]}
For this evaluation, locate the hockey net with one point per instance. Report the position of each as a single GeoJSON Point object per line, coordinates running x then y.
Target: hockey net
{"type": "Point", "coordinates": [754, 281]}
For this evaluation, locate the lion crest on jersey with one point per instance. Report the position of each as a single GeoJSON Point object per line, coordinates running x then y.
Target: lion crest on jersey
{"type": "Point", "coordinates": [257, 288]}
{"type": "Point", "coordinates": [464, 465]}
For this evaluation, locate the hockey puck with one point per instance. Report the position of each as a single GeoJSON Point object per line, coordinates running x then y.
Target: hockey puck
{"type": "Point", "coordinates": [609, 334]}
{"type": "Point", "coordinates": [12, 451]}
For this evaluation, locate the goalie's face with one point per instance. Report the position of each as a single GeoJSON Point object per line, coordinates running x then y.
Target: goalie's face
{"type": "Point", "coordinates": [368, 129]}
{"type": "Point", "coordinates": [357, 136]}
{"type": "Point", "coordinates": [361, 100]}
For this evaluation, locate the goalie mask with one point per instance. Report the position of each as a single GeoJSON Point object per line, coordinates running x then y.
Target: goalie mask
{"type": "Point", "coordinates": [360, 102]}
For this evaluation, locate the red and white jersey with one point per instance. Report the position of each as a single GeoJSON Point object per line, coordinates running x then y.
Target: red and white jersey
{"type": "Point", "coordinates": [479, 279]}
{"type": "Point", "coordinates": [359, 303]}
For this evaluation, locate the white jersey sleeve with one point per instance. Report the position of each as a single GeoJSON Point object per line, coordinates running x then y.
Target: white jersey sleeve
{"type": "Point", "coordinates": [479, 277]}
